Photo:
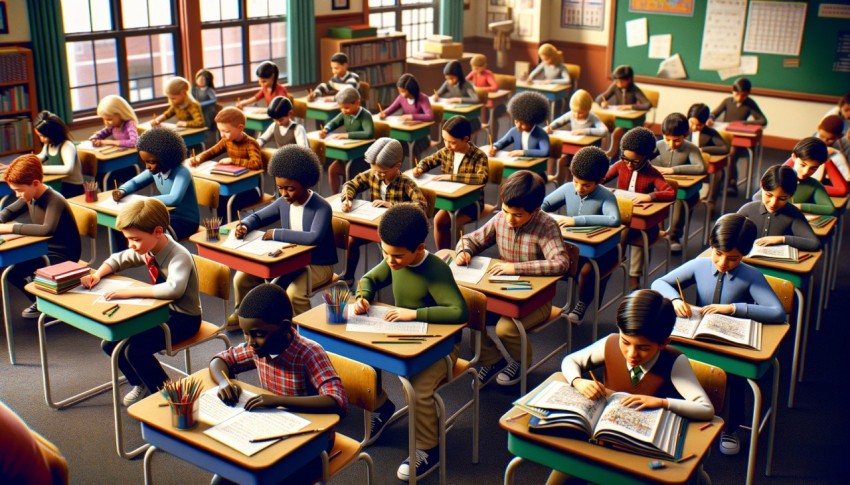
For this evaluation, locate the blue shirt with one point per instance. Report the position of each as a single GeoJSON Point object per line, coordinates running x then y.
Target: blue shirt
{"type": "Point", "coordinates": [177, 189]}
{"type": "Point", "coordinates": [598, 208]}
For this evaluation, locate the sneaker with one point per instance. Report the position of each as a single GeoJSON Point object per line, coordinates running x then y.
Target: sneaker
{"type": "Point", "coordinates": [232, 322]}
{"type": "Point", "coordinates": [729, 443]}
{"type": "Point", "coordinates": [136, 394]}
{"type": "Point", "coordinates": [426, 460]}
{"type": "Point", "coordinates": [675, 246]}
{"type": "Point", "coordinates": [488, 372]}
{"type": "Point", "coordinates": [31, 312]}
{"type": "Point", "coordinates": [379, 420]}
{"type": "Point", "coordinates": [634, 283]}
{"type": "Point", "coordinates": [732, 189]}
{"type": "Point", "coordinates": [576, 315]}
{"type": "Point", "coordinates": [510, 376]}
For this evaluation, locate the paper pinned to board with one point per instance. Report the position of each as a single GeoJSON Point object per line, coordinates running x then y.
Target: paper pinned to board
{"type": "Point", "coordinates": [636, 32]}
{"type": "Point", "coordinates": [749, 66]}
{"type": "Point", "coordinates": [672, 68]}
{"type": "Point", "coordinates": [660, 46]}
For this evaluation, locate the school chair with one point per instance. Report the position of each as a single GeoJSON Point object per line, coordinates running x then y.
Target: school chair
{"type": "Point", "coordinates": [86, 220]}
{"type": "Point", "coordinates": [716, 175]}
{"type": "Point", "coordinates": [430, 201]}
{"type": "Point", "coordinates": [646, 243]}
{"type": "Point", "coordinates": [483, 98]}
{"type": "Point", "coordinates": [299, 111]}
{"type": "Point", "coordinates": [652, 95]}
{"type": "Point", "coordinates": [341, 230]}
{"type": "Point", "coordinates": [265, 198]}
{"type": "Point", "coordinates": [607, 144]}
{"type": "Point", "coordinates": [713, 382]}
{"type": "Point", "coordinates": [382, 129]}
{"type": "Point", "coordinates": [437, 129]}
{"type": "Point", "coordinates": [53, 458]}
{"type": "Point", "coordinates": [495, 168]}
{"type": "Point", "coordinates": [574, 70]}
{"type": "Point", "coordinates": [364, 88]}
{"type": "Point", "coordinates": [207, 193]}
{"type": "Point", "coordinates": [88, 165]}
{"type": "Point", "coordinates": [508, 83]}
{"type": "Point", "coordinates": [555, 148]}
{"type": "Point", "coordinates": [786, 292]}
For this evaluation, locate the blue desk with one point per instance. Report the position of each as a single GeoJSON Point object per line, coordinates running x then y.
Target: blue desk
{"type": "Point", "coordinates": [106, 216]}
{"type": "Point", "coordinates": [110, 159]}
{"type": "Point", "coordinates": [191, 136]}
{"type": "Point", "coordinates": [552, 92]}
{"type": "Point", "coordinates": [229, 186]}
{"type": "Point", "coordinates": [13, 252]}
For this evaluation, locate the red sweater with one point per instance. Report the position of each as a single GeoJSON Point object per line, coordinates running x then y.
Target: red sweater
{"type": "Point", "coordinates": [649, 181]}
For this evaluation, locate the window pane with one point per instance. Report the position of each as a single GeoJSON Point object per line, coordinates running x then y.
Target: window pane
{"type": "Point", "coordinates": [277, 8]}
{"type": "Point", "coordinates": [104, 90]}
{"type": "Point", "coordinates": [106, 61]}
{"type": "Point", "coordinates": [232, 47]}
{"type": "Point", "coordinates": [258, 8]}
{"type": "Point", "coordinates": [260, 44]}
{"type": "Point", "coordinates": [101, 15]}
{"type": "Point", "coordinates": [229, 10]}
{"type": "Point", "coordinates": [160, 12]}
{"type": "Point", "coordinates": [163, 54]}
{"type": "Point", "coordinates": [138, 57]}
{"type": "Point", "coordinates": [75, 16]}
{"type": "Point", "coordinates": [211, 40]}
{"type": "Point", "coordinates": [234, 75]}
{"type": "Point", "coordinates": [210, 10]}
{"type": "Point", "coordinates": [278, 41]}
{"type": "Point", "coordinates": [134, 14]}
{"type": "Point", "coordinates": [84, 98]}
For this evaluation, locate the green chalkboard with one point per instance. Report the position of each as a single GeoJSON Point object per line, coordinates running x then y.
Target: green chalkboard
{"type": "Point", "coordinates": [814, 76]}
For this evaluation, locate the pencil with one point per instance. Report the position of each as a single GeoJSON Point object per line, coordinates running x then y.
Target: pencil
{"type": "Point", "coordinates": [682, 296]}
{"type": "Point", "coordinates": [490, 139]}
{"type": "Point", "coordinates": [518, 416]}
{"type": "Point", "coordinates": [109, 309]}
{"type": "Point", "coordinates": [402, 335]}
{"type": "Point", "coordinates": [359, 289]}
{"type": "Point", "coordinates": [515, 288]}
{"type": "Point", "coordinates": [226, 379]}
{"type": "Point", "coordinates": [115, 182]}
{"type": "Point", "coordinates": [283, 436]}
{"type": "Point", "coordinates": [593, 377]}
{"type": "Point", "coordinates": [114, 311]}
{"type": "Point", "coordinates": [686, 458]}
{"type": "Point", "coordinates": [334, 455]}
{"type": "Point", "coordinates": [705, 426]}
{"type": "Point", "coordinates": [380, 109]}
{"type": "Point", "coordinates": [414, 342]}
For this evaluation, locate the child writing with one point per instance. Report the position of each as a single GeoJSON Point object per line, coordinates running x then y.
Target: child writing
{"type": "Point", "coordinates": [423, 290]}
{"type": "Point", "coordinates": [459, 161]}
{"type": "Point", "coordinates": [267, 76]}
{"type": "Point", "coordinates": [119, 121]}
{"type": "Point", "coordinates": [358, 125]}
{"type": "Point", "coordinates": [58, 153]}
{"type": "Point", "coordinates": [204, 92]}
{"type": "Point", "coordinates": [587, 203]}
{"type": "Point", "coordinates": [811, 197]}
{"type": "Point", "coordinates": [778, 221]}
{"type": "Point", "coordinates": [705, 137]}
{"type": "Point", "coordinates": [387, 187]}
{"type": "Point", "coordinates": [284, 130]}
{"type": "Point", "coordinates": [529, 243]}
{"type": "Point", "coordinates": [551, 67]}
{"type": "Point", "coordinates": [579, 120]}
{"type": "Point", "coordinates": [726, 285]}
{"type": "Point", "coordinates": [836, 170]}
{"type": "Point", "coordinates": [414, 106]}
{"type": "Point", "coordinates": [173, 276]}
{"type": "Point", "coordinates": [842, 110]}
{"type": "Point", "coordinates": [480, 76]}
{"type": "Point", "coordinates": [456, 89]}
{"type": "Point", "coordinates": [341, 78]}
{"type": "Point", "coordinates": [49, 214]}
{"type": "Point", "coordinates": [527, 138]}
{"type": "Point", "coordinates": [181, 104]}
{"type": "Point", "coordinates": [623, 93]}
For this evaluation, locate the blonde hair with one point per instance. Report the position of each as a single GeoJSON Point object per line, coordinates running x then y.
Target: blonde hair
{"type": "Point", "coordinates": [478, 60]}
{"type": "Point", "coordinates": [114, 105]}
{"type": "Point", "coordinates": [581, 100]}
{"type": "Point", "coordinates": [230, 115]}
{"type": "Point", "coordinates": [177, 85]}
{"type": "Point", "coordinates": [145, 215]}
{"type": "Point", "coordinates": [550, 51]}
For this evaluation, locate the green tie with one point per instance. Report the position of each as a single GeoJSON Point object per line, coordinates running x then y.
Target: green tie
{"type": "Point", "coordinates": [636, 373]}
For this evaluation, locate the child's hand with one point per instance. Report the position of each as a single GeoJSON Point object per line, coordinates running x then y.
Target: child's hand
{"type": "Point", "coordinates": [341, 136]}
{"type": "Point", "coordinates": [709, 122]}
{"type": "Point", "coordinates": [579, 132]}
{"type": "Point", "coordinates": [566, 222]}
{"type": "Point", "coordinates": [641, 402]}
{"type": "Point", "coordinates": [624, 107]}
{"type": "Point", "coordinates": [492, 150]}
{"type": "Point", "coordinates": [193, 161]}
{"type": "Point", "coordinates": [454, 101]}
{"type": "Point", "coordinates": [604, 105]}
{"type": "Point", "coordinates": [268, 235]}
{"type": "Point", "coordinates": [405, 117]}
{"type": "Point", "coordinates": [682, 309]}
{"type": "Point", "coordinates": [361, 306]}
{"type": "Point", "coordinates": [226, 161]}
{"type": "Point", "coordinates": [516, 153]}
{"type": "Point", "coordinates": [435, 98]}
{"type": "Point", "coordinates": [90, 281]}
{"type": "Point", "coordinates": [590, 389]}
{"type": "Point", "coordinates": [155, 121]}
{"type": "Point", "coordinates": [502, 269]}
{"type": "Point", "coordinates": [240, 230]}
{"type": "Point", "coordinates": [549, 129]}
{"type": "Point", "coordinates": [323, 133]}
{"type": "Point", "coordinates": [417, 172]}
{"type": "Point", "coordinates": [6, 228]}
{"type": "Point", "coordinates": [229, 394]}
{"type": "Point", "coordinates": [722, 309]}
{"type": "Point", "coordinates": [120, 294]}
{"type": "Point", "coordinates": [117, 195]}
{"type": "Point", "coordinates": [770, 240]}
{"type": "Point", "coordinates": [443, 176]}
{"type": "Point", "coordinates": [380, 203]}
{"type": "Point", "coordinates": [239, 104]}
{"type": "Point", "coordinates": [462, 258]}
{"type": "Point", "coordinates": [400, 315]}
{"type": "Point", "coordinates": [641, 198]}
{"type": "Point", "coordinates": [382, 115]}
{"type": "Point", "coordinates": [181, 123]}
{"type": "Point", "coordinates": [262, 401]}
{"type": "Point", "coordinates": [345, 205]}
{"type": "Point", "coordinates": [665, 170]}
{"type": "Point", "coordinates": [311, 96]}
{"type": "Point", "coordinates": [96, 142]}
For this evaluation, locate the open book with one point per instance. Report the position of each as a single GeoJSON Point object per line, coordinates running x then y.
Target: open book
{"type": "Point", "coordinates": [779, 253]}
{"type": "Point", "coordinates": [724, 329]}
{"type": "Point", "coordinates": [560, 410]}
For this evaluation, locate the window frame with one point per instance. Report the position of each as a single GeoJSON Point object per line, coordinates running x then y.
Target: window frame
{"type": "Point", "coordinates": [398, 8]}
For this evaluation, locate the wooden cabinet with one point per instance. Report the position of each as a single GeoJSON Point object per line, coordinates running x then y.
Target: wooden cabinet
{"type": "Point", "coordinates": [17, 100]}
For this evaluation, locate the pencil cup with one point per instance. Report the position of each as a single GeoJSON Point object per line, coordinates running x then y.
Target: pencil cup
{"type": "Point", "coordinates": [91, 193]}
{"type": "Point", "coordinates": [185, 415]}
{"type": "Point", "coordinates": [212, 226]}
{"type": "Point", "coordinates": [336, 313]}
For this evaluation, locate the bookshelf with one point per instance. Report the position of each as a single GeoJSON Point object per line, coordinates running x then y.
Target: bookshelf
{"type": "Point", "coordinates": [379, 61]}
{"type": "Point", "coordinates": [17, 100]}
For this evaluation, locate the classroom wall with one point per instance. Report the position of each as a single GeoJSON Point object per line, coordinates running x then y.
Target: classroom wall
{"type": "Point", "coordinates": [323, 7]}
{"type": "Point", "coordinates": [18, 20]}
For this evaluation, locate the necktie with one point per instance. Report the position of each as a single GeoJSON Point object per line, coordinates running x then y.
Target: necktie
{"type": "Point", "coordinates": [718, 288]}
{"type": "Point", "coordinates": [636, 373]}
{"type": "Point", "coordinates": [153, 271]}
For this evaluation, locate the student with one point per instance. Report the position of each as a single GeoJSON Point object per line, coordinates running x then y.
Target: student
{"type": "Point", "coordinates": [25, 457]}
{"type": "Point", "coordinates": [527, 138]}
{"type": "Point", "coordinates": [58, 153]}
{"type": "Point", "coordinates": [459, 161]}
{"type": "Point", "coordinates": [181, 104]}
{"type": "Point", "coordinates": [387, 187]}
{"type": "Point", "coordinates": [842, 110]}
{"type": "Point", "coordinates": [305, 218]}
{"type": "Point", "coordinates": [634, 173]}
{"type": "Point", "coordinates": [551, 66]}
{"type": "Point", "coordinates": [738, 107]}
{"type": "Point", "coordinates": [779, 221]}
{"type": "Point", "coordinates": [204, 93]}
{"type": "Point", "coordinates": [284, 130]}
{"type": "Point", "coordinates": [639, 361]}
{"type": "Point", "coordinates": [358, 125]}
{"type": "Point", "coordinates": [173, 276]}
{"type": "Point", "coordinates": [623, 93]}
{"type": "Point", "coordinates": [414, 105]}
{"type": "Point", "coordinates": [677, 156]}
{"type": "Point", "coordinates": [705, 137]}
{"type": "Point", "coordinates": [341, 78]}
{"type": "Point", "coordinates": [163, 150]}
{"type": "Point", "coordinates": [423, 290]}
{"type": "Point", "coordinates": [529, 244]}
{"type": "Point", "coordinates": [836, 170]}
{"type": "Point", "coordinates": [811, 197]}
{"type": "Point", "coordinates": [296, 370]}
{"type": "Point", "coordinates": [725, 285]}
{"type": "Point", "coordinates": [455, 89]}
{"type": "Point", "coordinates": [580, 121]}
{"type": "Point", "coordinates": [480, 76]}
{"type": "Point", "coordinates": [49, 215]}
{"type": "Point", "coordinates": [119, 121]}
{"type": "Point", "coordinates": [267, 77]}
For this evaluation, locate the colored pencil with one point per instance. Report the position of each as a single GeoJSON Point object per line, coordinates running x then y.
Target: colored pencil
{"type": "Point", "coordinates": [686, 458]}
{"type": "Point", "coordinates": [518, 416]}
{"type": "Point", "coordinates": [109, 309]}
{"type": "Point", "coordinates": [396, 342]}
{"type": "Point", "coordinates": [705, 426]}
{"type": "Point", "coordinates": [283, 436]}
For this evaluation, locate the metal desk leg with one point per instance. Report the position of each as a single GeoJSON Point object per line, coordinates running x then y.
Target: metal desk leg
{"type": "Point", "coordinates": [808, 316]}
{"type": "Point", "coordinates": [754, 431]}
{"type": "Point", "coordinates": [511, 469]}
{"type": "Point", "coordinates": [774, 396]}
{"type": "Point", "coordinates": [147, 465]}
{"type": "Point", "coordinates": [7, 310]}
{"type": "Point", "coordinates": [410, 154]}
{"type": "Point", "coordinates": [750, 162]}
{"type": "Point", "coordinates": [823, 289]}
{"type": "Point", "coordinates": [411, 427]}
{"type": "Point", "coordinates": [798, 333]}
{"type": "Point", "coordinates": [523, 356]}
{"type": "Point", "coordinates": [453, 226]}
{"type": "Point", "coordinates": [116, 408]}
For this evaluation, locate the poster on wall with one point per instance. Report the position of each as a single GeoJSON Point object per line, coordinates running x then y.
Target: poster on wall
{"type": "Point", "coordinates": [583, 14]}
{"type": "Point", "coordinates": [663, 7]}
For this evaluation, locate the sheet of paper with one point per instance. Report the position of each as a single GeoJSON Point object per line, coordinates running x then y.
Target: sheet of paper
{"type": "Point", "coordinates": [260, 247]}
{"type": "Point", "coordinates": [660, 45]}
{"type": "Point", "coordinates": [202, 168]}
{"type": "Point", "coordinates": [233, 243]}
{"type": "Point", "coordinates": [503, 277]}
{"type": "Point", "coordinates": [237, 431]}
{"type": "Point", "coordinates": [722, 34]}
{"type": "Point", "coordinates": [373, 322]}
{"type": "Point", "coordinates": [749, 66]}
{"type": "Point", "coordinates": [672, 68]}
{"type": "Point", "coordinates": [214, 411]}
{"type": "Point", "coordinates": [473, 272]}
{"type": "Point", "coordinates": [625, 194]}
{"type": "Point", "coordinates": [566, 135]}
{"type": "Point", "coordinates": [126, 301]}
{"type": "Point", "coordinates": [636, 32]}
{"type": "Point", "coordinates": [427, 179]}
{"type": "Point", "coordinates": [104, 286]}
{"type": "Point", "coordinates": [109, 203]}
{"type": "Point", "coordinates": [360, 209]}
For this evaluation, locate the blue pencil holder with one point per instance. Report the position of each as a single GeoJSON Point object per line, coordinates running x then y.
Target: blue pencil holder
{"type": "Point", "coordinates": [336, 314]}
{"type": "Point", "coordinates": [185, 416]}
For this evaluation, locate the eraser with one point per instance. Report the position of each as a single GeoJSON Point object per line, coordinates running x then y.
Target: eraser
{"type": "Point", "coordinates": [657, 465]}
{"type": "Point", "coordinates": [224, 230]}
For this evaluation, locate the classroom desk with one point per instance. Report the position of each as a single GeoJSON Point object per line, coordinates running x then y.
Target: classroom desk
{"type": "Point", "coordinates": [552, 92]}
{"type": "Point", "coordinates": [840, 204]}
{"type": "Point", "coordinates": [429, 72]}
{"type": "Point", "coordinates": [751, 142]}
{"type": "Point", "coordinates": [270, 465]}
{"type": "Point", "coordinates": [110, 159]}
{"type": "Point", "coordinates": [825, 231]}
{"type": "Point", "coordinates": [467, 110]}
{"type": "Point", "coordinates": [599, 464]}
{"type": "Point", "coordinates": [407, 131]}
{"type": "Point", "coordinates": [689, 186]}
{"type": "Point", "coordinates": [646, 216]}
{"type": "Point", "coordinates": [12, 252]}
{"type": "Point", "coordinates": [322, 109]}
{"type": "Point", "coordinates": [229, 186]}
{"type": "Point", "coordinates": [345, 149]}
{"type": "Point", "coordinates": [257, 119]}
{"type": "Point", "coordinates": [80, 311]}
{"type": "Point", "coordinates": [717, 163]}
{"type": "Point", "coordinates": [52, 181]}
{"type": "Point", "coordinates": [360, 228]}
{"type": "Point", "coordinates": [623, 118]}
{"type": "Point", "coordinates": [571, 144]}
{"type": "Point", "coordinates": [402, 360]}
{"type": "Point", "coordinates": [191, 136]}
{"type": "Point", "coordinates": [452, 202]}
{"type": "Point", "coordinates": [515, 164]}
{"type": "Point", "coordinates": [106, 216]}
{"type": "Point", "coordinates": [495, 99]}
{"type": "Point", "coordinates": [751, 365]}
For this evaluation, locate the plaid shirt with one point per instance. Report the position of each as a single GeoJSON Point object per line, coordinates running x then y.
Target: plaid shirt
{"type": "Point", "coordinates": [190, 113]}
{"type": "Point", "coordinates": [649, 181]}
{"type": "Point", "coordinates": [536, 248]}
{"type": "Point", "coordinates": [243, 153]}
{"type": "Point", "coordinates": [472, 170]}
{"type": "Point", "coordinates": [401, 189]}
{"type": "Point", "coordinates": [303, 369]}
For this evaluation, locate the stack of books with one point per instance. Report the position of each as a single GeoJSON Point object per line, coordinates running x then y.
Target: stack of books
{"type": "Point", "coordinates": [59, 278]}
{"type": "Point", "coordinates": [232, 170]}
{"type": "Point", "coordinates": [353, 32]}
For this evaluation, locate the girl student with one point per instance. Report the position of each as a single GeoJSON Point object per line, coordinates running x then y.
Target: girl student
{"type": "Point", "coordinates": [58, 153]}
{"type": "Point", "coordinates": [119, 121]}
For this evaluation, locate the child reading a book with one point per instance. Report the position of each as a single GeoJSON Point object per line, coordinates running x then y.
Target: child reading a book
{"type": "Point", "coordinates": [119, 121]}
{"type": "Point", "coordinates": [579, 121]}
{"type": "Point", "coordinates": [358, 125]}
{"type": "Point", "coordinates": [58, 153]}
{"type": "Point", "coordinates": [527, 138]}
{"type": "Point", "coordinates": [284, 131]}
{"type": "Point", "coordinates": [173, 276]}
{"type": "Point", "coordinates": [728, 286]}
{"type": "Point", "coordinates": [181, 104]}
{"type": "Point", "coordinates": [424, 290]}
{"type": "Point", "coordinates": [811, 197]}
{"type": "Point", "coordinates": [49, 215]}
{"type": "Point", "coordinates": [341, 78]}
{"type": "Point", "coordinates": [267, 77]}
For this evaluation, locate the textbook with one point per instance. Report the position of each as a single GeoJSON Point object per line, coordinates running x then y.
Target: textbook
{"type": "Point", "coordinates": [723, 329]}
{"type": "Point", "coordinates": [353, 32]}
{"type": "Point", "coordinates": [780, 253]}
{"type": "Point", "coordinates": [62, 272]}
{"type": "Point", "coordinates": [54, 287]}
{"type": "Point", "coordinates": [743, 127]}
{"type": "Point", "coordinates": [561, 410]}
{"type": "Point", "coordinates": [232, 170]}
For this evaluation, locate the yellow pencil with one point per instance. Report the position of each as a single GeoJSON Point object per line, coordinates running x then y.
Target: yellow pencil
{"type": "Point", "coordinates": [227, 379]}
{"type": "Point", "coordinates": [380, 109]}
{"type": "Point", "coordinates": [682, 296]}
{"type": "Point", "coordinates": [490, 139]}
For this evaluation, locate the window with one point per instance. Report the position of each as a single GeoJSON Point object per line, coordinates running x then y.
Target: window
{"type": "Point", "coordinates": [416, 18]}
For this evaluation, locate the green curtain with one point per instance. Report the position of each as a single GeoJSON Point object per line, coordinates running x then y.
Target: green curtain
{"type": "Point", "coordinates": [48, 44]}
{"type": "Point", "coordinates": [451, 19]}
{"type": "Point", "coordinates": [301, 42]}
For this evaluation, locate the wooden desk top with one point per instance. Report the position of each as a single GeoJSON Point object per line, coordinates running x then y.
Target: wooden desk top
{"type": "Point", "coordinates": [804, 267]}
{"type": "Point", "coordinates": [351, 217]}
{"type": "Point", "coordinates": [461, 191]}
{"type": "Point", "coordinates": [200, 238]}
{"type": "Point", "coordinates": [626, 114]}
{"type": "Point", "coordinates": [182, 130]}
{"type": "Point", "coordinates": [80, 200]}
{"type": "Point", "coordinates": [540, 86]}
{"type": "Point", "coordinates": [20, 242]}
{"type": "Point", "coordinates": [257, 114]}
{"type": "Point", "coordinates": [494, 288]}
{"type": "Point", "coordinates": [149, 412]}
{"type": "Point", "coordinates": [696, 442]}
{"type": "Point", "coordinates": [840, 202]}
{"type": "Point", "coordinates": [583, 140]}
{"type": "Point", "coordinates": [115, 152]}
{"type": "Point", "coordinates": [648, 209]}
{"type": "Point", "coordinates": [323, 103]}
{"type": "Point", "coordinates": [438, 61]}
{"type": "Point", "coordinates": [583, 237]}
{"type": "Point", "coordinates": [226, 179]}
{"type": "Point", "coordinates": [772, 336]}
{"type": "Point", "coordinates": [397, 124]}
{"type": "Point", "coordinates": [686, 181]}
{"type": "Point", "coordinates": [498, 95]}
{"type": "Point", "coordinates": [718, 158]}
{"type": "Point", "coordinates": [342, 144]}
{"type": "Point", "coordinates": [825, 229]}
{"type": "Point", "coordinates": [513, 162]}
{"type": "Point", "coordinates": [457, 107]}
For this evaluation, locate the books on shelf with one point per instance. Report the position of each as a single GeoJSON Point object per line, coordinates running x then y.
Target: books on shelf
{"type": "Point", "coordinates": [718, 328]}
{"type": "Point", "coordinates": [15, 134]}
{"type": "Point", "coordinates": [229, 169]}
{"type": "Point", "coordinates": [15, 98]}
{"type": "Point", "coordinates": [379, 50]}
{"type": "Point", "coordinates": [781, 253]}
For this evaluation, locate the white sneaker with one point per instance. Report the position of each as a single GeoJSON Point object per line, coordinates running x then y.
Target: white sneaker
{"type": "Point", "coordinates": [729, 443]}
{"type": "Point", "coordinates": [136, 394]}
{"type": "Point", "coordinates": [510, 376]}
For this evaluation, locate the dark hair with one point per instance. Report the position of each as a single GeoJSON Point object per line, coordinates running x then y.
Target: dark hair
{"type": "Point", "coordinates": [208, 77]}
{"type": "Point", "coordinates": [811, 148]}
{"type": "Point", "coordinates": [832, 124]}
{"type": "Point", "coordinates": [458, 127]}
{"type": "Point", "coordinates": [523, 189]}
{"type": "Point", "coordinates": [409, 83]}
{"type": "Point", "coordinates": [296, 162]}
{"type": "Point", "coordinates": [675, 124]}
{"type": "Point", "coordinates": [340, 58]}
{"type": "Point", "coordinates": [590, 163]}
{"type": "Point", "coordinates": [529, 107]}
{"type": "Point", "coordinates": [700, 111]}
{"type": "Point", "coordinates": [639, 140]}
{"type": "Point", "coordinates": [269, 303]}
{"type": "Point", "coordinates": [455, 68]}
{"type": "Point", "coordinates": [645, 313]}
{"type": "Point", "coordinates": [742, 85]}
{"type": "Point", "coordinates": [781, 176]}
{"type": "Point", "coordinates": [52, 127]}
{"type": "Point", "coordinates": [164, 143]}
{"type": "Point", "coordinates": [623, 72]}
{"type": "Point", "coordinates": [279, 107]}
{"type": "Point", "coordinates": [404, 225]}
{"type": "Point", "coordinates": [268, 69]}
{"type": "Point", "coordinates": [733, 231]}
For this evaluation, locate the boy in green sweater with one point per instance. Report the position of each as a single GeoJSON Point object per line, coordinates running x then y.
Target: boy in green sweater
{"type": "Point", "coordinates": [357, 122]}
{"type": "Point", "coordinates": [424, 290]}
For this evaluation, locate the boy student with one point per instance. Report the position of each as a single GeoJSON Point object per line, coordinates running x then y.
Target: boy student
{"type": "Point", "coordinates": [459, 161]}
{"type": "Point", "coordinates": [680, 157]}
{"type": "Point", "coordinates": [173, 276]}
{"type": "Point", "coordinates": [284, 130]}
{"type": "Point", "coordinates": [49, 215]}
{"type": "Point", "coordinates": [529, 243]}
{"type": "Point", "coordinates": [836, 169]}
{"type": "Point", "coordinates": [305, 218]}
{"type": "Point", "coordinates": [709, 141]}
{"type": "Point", "coordinates": [726, 285]}
{"type": "Point", "coordinates": [587, 204]}
{"type": "Point", "coordinates": [423, 290]}
{"type": "Point", "coordinates": [181, 104]}
{"type": "Point", "coordinates": [387, 187]}
{"type": "Point", "coordinates": [341, 78]}
{"type": "Point", "coordinates": [528, 110]}
{"type": "Point", "coordinates": [358, 126]}
{"type": "Point", "coordinates": [634, 173]}
{"type": "Point", "coordinates": [811, 196]}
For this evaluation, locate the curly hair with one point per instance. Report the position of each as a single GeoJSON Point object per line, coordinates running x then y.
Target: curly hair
{"type": "Point", "coordinates": [645, 313]}
{"type": "Point", "coordinates": [639, 140]}
{"type": "Point", "coordinates": [590, 163]}
{"type": "Point", "coordinates": [269, 303]}
{"type": "Point", "coordinates": [404, 225]}
{"type": "Point", "coordinates": [296, 162]}
{"type": "Point", "coordinates": [529, 107]}
{"type": "Point", "coordinates": [165, 144]}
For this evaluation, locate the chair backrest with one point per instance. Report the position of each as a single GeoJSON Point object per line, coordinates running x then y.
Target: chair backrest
{"type": "Point", "coordinates": [430, 201]}
{"type": "Point", "coordinates": [86, 220]}
{"type": "Point", "coordinates": [213, 278]}
{"type": "Point", "coordinates": [652, 95]}
{"type": "Point", "coordinates": [607, 119]}
{"type": "Point", "coordinates": [364, 88]}
{"type": "Point", "coordinates": [299, 109]}
{"type": "Point", "coordinates": [574, 70]}
{"type": "Point", "coordinates": [382, 129]}
{"type": "Point", "coordinates": [476, 303]}
{"type": "Point", "coordinates": [88, 163]}
{"type": "Point", "coordinates": [495, 168]}
{"type": "Point", "coordinates": [207, 193]}
{"type": "Point", "coordinates": [713, 381]}
{"type": "Point", "coordinates": [626, 208]}
{"type": "Point", "coordinates": [437, 128]}
{"type": "Point", "coordinates": [483, 95]}
{"type": "Point", "coordinates": [572, 256]}
{"type": "Point", "coordinates": [727, 137]}
{"type": "Point", "coordinates": [784, 290]}
{"type": "Point", "coordinates": [555, 147]}
{"type": "Point", "coordinates": [505, 81]}
{"type": "Point", "coordinates": [318, 147]}
{"type": "Point", "coordinates": [359, 380]}
{"type": "Point", "coordinates": [341, 228]}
